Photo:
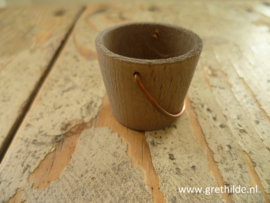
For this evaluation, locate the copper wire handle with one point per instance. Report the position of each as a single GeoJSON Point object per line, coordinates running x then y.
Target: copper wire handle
{"type": "Point", "coordinates": [153, 102]}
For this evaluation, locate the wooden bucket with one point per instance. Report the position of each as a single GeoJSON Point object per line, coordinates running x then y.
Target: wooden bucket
{"type": "Point", "coordinates": [147, 69]}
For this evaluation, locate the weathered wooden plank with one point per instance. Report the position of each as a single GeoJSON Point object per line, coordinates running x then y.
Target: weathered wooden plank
{"type": "Point", "coordinates": [239, 121]}
{"type": "Point", "coordinates": [259, 119]}
{"type": "Point", "coordinates": [227, 151]}
{"type": "Point", "coordinates": [212, 116]}
{"type": "Point", "coordinates": [29, 38]}
{"type": "Point", "coordinates": [228, 154]}
{"type": "Point", "coordinates": [228, 88]}
{"type": "Point", "coordinates": [100, 171]}
{"type": "Point", "coordinates": [39, 164]}
{"type": "Point", "coordinates": [179, 161]}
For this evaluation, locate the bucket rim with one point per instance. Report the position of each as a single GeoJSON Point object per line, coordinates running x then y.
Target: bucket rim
{"type": "Point", "coordinates": [196, 50]}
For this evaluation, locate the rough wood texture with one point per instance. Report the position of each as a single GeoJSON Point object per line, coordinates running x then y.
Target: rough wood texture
{"type": "Point", "coordinates": [29, 38]}
{"type": "Point", "coordinates": [101, 171]}
{"type": "Point", "coordinates": [164, 56]}
{"type": "Point", "coordinates": [138, 149]}
{"type": "Point", "coordinates": [222, 138]}
{"type": "Point", "coordinates": [180, 161]}
{"type": "Point", "coordinates": [67, 104]}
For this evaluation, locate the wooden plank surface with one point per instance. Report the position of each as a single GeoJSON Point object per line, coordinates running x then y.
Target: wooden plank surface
{"type": "Point", "coordinates": [70, 148]}
{"type": "Point", "coordinates": [29, 38]}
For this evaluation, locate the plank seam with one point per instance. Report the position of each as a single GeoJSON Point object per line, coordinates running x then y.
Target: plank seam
{"type": "Point", "coordinates": [31, 98]}
{"type": "Point", "coordinates": [200, 137]}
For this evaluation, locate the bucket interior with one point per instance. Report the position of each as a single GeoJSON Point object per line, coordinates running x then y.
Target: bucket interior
{"type": "Point", "coordinates": [148, 41]}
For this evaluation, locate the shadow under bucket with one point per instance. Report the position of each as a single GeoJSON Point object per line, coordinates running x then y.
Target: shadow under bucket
{"type": "Point", "coordinates": [147, 69]}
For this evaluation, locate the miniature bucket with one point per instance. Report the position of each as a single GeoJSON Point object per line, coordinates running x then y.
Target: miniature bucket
{"type": "Point", "coordinates": [147, 69]}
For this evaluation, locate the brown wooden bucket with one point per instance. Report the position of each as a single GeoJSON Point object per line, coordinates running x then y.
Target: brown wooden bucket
{"type": "Point", "coordinates": [147, 69]}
